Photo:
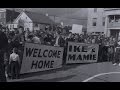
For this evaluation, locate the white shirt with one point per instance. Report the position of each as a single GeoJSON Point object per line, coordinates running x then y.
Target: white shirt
{"type": "Point", "coordinates": [14, 57]}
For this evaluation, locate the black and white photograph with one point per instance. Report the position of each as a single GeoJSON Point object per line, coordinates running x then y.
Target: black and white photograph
{"type": "Point", "coordinates": [59, 44]}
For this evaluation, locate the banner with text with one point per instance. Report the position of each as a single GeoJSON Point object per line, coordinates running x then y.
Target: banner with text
{"type": "Point", "coordinates": [40, 58]}
{"type": "Point", "coordinates": [81, 53]}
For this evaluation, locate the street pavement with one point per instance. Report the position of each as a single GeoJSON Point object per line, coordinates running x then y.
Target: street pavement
{"type": "Point", "coordinates": [94, 72]}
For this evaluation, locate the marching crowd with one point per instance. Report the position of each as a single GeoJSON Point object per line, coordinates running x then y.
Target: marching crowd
{"type": "Point", "coordinates": [18, 37]}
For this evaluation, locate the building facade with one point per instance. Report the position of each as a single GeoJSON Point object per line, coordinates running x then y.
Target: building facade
{"type": "Point", "coordinates": [112, 27]}
{"type": "Point", "coordinates": [24, 20]}
{"type": "Point", "coordinates": [96, 20]}
{"type": "Point", "coordinates": [32, 21]}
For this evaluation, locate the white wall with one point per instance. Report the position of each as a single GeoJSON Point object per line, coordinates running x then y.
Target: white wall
{"type": "Point", "coordinates": [99, 15]}
{"type": "Point", "coordinates": [107, 13]}
{"type": "Point", "coordinates": [28, 22]}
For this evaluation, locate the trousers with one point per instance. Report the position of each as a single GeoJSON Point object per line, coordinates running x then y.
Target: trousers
{"type": "Point", "coordinates": [15, 69]}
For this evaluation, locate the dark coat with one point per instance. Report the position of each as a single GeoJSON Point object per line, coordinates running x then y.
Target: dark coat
{"type": "Point", "coordinates": [3, 48]}
{"type": "Point", "coordinates": [61, 42]}
{"type": "Point", "coordinates": [3, 41]}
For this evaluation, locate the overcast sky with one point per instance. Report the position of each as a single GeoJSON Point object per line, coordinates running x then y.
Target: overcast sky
{"type": "Point", "coordinates": [66, 15]}
{"type": "Point", "coordinates": [64, 12]}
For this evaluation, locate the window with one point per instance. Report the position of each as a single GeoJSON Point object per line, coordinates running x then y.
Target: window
{"type": "Point", "coordinates": [94, 21]}
{"type": "Point", "coordinates": [103, 21]}
{"type": "Point", "coordinates": [111, 18]}
{"type": "Point", "coordinates": [117, 18]}
{"type": "Point", "coordinates": [95, 9]}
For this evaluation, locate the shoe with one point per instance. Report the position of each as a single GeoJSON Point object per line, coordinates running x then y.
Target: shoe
{"type": "Point", "coordinates": [115, 64]}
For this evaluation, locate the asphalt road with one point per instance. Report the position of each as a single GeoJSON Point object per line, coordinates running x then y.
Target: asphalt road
{"type": "Point", "coordinates": [96, 72]}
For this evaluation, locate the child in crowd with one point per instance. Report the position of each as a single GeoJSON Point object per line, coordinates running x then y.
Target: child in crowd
{"type": "Point", "coordinates": [14, 63]}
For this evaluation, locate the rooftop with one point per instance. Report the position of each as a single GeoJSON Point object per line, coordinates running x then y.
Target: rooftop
{"type": "Point", "coordinates": [11, 15]}
{"type": "Point", "coordinates": [39, 18]}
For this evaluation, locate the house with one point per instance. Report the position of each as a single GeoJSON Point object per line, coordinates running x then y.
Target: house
{"type": "Point", "coordinates": [32, 21]}
{"type": "Point", "coordinates": [112, 27]}
{"type": "Point", "coordinates": [105, 20]}
{"type": "Point", "coordinates": [7, 17]}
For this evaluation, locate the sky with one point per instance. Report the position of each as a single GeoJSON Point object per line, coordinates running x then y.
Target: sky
{"type": "Point", "coordinates": [66, 15]}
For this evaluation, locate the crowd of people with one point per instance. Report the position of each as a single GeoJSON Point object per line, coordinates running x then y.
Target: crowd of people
{"type": "Point", "coordinates": [18, 37]}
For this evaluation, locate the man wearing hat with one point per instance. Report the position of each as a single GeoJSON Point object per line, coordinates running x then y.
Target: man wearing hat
{"type": "Point", "coordinates": [3, 46]}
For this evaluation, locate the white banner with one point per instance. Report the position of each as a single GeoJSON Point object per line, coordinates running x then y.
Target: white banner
{"type": "Point", "coordinates": [40, 58]}
{"type": "Point", "coordinates": [81, 53]}
{"type": "Point", "coordinates": [77, 28]}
